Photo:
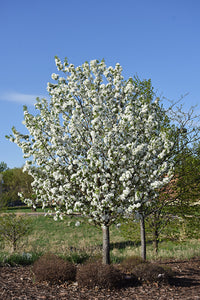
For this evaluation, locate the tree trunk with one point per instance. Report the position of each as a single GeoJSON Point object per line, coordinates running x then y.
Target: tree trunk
{"type": "Point", "coordinates": [106, 245]}
{"type": "Point", "coordinates": [155, 241]}
{"type": "Point", "coordinates": [143, 237]}
{"type": "Point", "coordinates": [14, 245]}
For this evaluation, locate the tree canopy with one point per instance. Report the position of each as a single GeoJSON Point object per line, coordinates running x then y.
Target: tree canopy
{"type": "Point", "coordinates": [3, 166]}
{"type": "Point", "coordinates": [16, 181]}
{"type": "Point", "coordinates": [101, 146]}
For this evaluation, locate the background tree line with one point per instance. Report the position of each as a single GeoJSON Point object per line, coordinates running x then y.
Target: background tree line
{"type": "Point", "coordinates": [14, 181]}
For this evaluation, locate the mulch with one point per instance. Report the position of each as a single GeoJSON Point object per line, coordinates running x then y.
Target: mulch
{"type": "Point", "coordinates": [18, 283]}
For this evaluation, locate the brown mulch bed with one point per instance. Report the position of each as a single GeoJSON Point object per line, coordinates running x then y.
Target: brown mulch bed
{"type": "Point", "coordinates": [17, 283]}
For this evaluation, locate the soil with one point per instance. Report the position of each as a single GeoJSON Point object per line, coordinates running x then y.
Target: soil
{"type": "Point", "coordinates": [17, 283]}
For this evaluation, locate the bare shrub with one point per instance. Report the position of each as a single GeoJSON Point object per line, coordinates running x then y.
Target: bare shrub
{"type": "Point", "coordinates": [53, 269]}
{"type": "Point", "coordinates": [129, 263]}
{"type": "Point", "coordinates": [150, 272]}
{"type": "Point", "coordinates": [97, 274]}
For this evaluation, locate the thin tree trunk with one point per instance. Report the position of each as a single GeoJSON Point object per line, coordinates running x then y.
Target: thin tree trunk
{"type": "Point", "coordinates": [106, 245]}
{"type": "Point", "coordinates": [143, 237]}
{"type": "Point", "coordinates": [155, 241]}
{"type": "Point", "coordinates": [14, 245]}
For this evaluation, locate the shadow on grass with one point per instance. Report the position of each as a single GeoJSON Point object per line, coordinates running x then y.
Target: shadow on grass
{"type": "Point", "coordinates": [123, 245]}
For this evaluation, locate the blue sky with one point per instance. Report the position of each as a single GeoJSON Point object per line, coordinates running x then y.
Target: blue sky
{"type": "Point", "coordinates": [157, 39]}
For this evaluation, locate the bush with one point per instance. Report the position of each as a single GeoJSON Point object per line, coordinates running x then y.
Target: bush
{"type": "Point", "coordinates": [53, 269]}
{"type": "Point", "coordinates": [19, 259]}
{"type": "Point", "coordinates": [129, 263]}
{"type": "Point", "coordinates": [14, 228]}
{"type": "Point", "coordinates": [96, 274]}
{"type": "Point", "coordinates": [150, 273]}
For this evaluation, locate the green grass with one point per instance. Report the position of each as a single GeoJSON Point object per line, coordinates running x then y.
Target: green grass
{"type": "Point", "coordinates": [64, 236]}
{"type": "Point", "coordinates": [167, 250]}
{"type": "Point", "coordinates": [79, 243]}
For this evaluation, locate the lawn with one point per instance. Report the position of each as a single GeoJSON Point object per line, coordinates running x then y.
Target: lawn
{"type": "Point", "coordinates": [75, 236]}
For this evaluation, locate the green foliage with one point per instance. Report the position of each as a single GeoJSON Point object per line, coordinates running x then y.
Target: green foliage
{"type": "Point", "coordinates": [144, 87]}
{"type": "Point", "coordinates": [53, 269]}
{"type": "Point", "coordinates": [16, 181]}
{"type": "Point", "coordinates": [172, 231]}
{"type": "Point", "coordinates": [14, 228]}
{"type": "Point", "coordinates": [187, 191]}
{"type": "Point", "coordinates": [23, 259]}
{"type": "Point", "coordinates": [175, 229]}
{"type": "Point", "coordinates": [3, 203]}
{"type": "Point", "coordinates": [3, 166]}
{"type": "Point", "coordinates": [115, 259]}
{"type": "Point", "coordinates": [130, 230]}
{"type": "Point", "coordinates": [191, 225]}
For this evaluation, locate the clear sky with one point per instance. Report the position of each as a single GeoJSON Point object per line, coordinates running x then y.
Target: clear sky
{"type": "Point", "coordinates": [157, 39]}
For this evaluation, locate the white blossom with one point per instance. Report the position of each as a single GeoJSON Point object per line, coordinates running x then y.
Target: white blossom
{"type": "Point", "coordinates": [54, 76]}
{"type": "Point", "coordinates": [98, 146]}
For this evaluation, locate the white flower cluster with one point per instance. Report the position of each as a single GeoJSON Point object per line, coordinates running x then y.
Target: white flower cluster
{"type": "Point", "coordinates": [98, 147]}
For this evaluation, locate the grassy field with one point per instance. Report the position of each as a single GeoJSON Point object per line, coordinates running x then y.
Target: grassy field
{"type": "Point", "coordinates": [69, 240]}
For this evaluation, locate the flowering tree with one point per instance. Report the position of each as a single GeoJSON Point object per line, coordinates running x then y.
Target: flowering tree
{"type": "Point", "coordinates": [98, 147]}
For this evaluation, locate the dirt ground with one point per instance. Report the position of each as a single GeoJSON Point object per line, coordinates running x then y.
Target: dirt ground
{"type": "Point", "coordinates": [17, 283]}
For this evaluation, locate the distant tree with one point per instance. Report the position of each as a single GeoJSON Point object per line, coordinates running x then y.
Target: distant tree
{"type": "Point", "coordinates": [14, 228]}
{"type": "Point", "coordinates": [2, 201]}
{"type": "Point", "coordinates": [3, 166]}
{"type": "Point", "coordinates": [162, 207]}
{"type": "Point", "coordinates": [176, 210]}
{"type": "Point", "coordinates": [179, 199]}
{"type": "Point", "coordinates": [165, 158]}
{"type": "Point", "coordinates": [188, 190]}
{"type": "Point", "coordinates": [16, 181]}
